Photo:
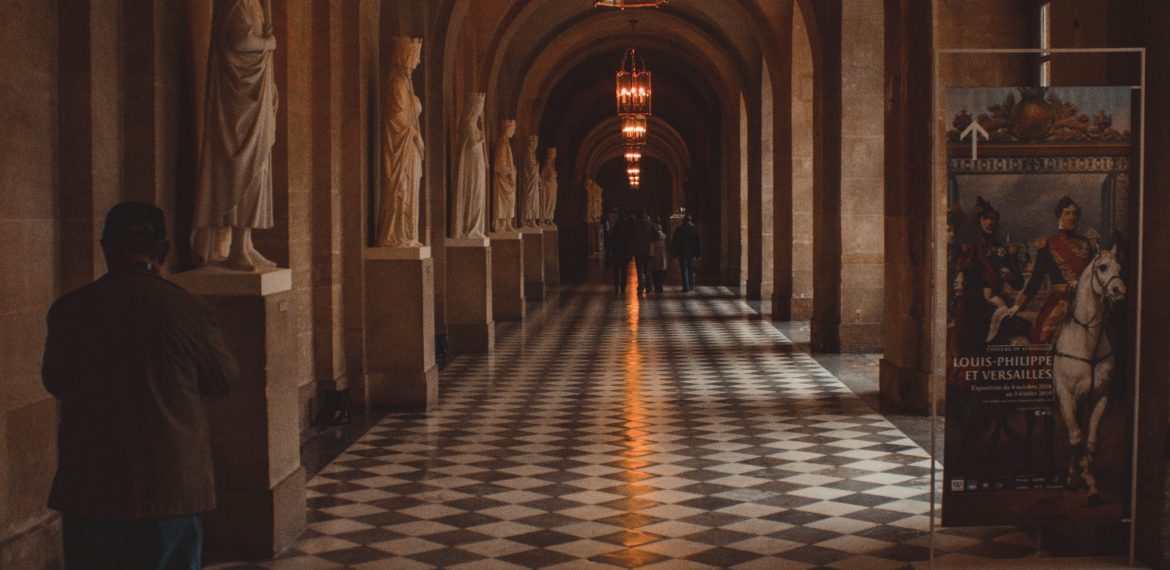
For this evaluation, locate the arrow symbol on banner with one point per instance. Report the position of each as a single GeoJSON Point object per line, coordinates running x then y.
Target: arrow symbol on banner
{"type": "Point", "coordinates": [974, 129]}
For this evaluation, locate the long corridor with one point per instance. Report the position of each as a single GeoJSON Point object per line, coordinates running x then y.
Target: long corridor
{"type": "Point", "coordinates": [675, 432]}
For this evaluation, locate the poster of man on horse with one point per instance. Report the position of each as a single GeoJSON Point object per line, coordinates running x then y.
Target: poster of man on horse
{"type": "Point", "coordinates": [1038, 332]}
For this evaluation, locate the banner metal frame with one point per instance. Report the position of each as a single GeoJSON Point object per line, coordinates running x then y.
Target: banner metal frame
{"type": "Point", "coordinates": [937, 298]}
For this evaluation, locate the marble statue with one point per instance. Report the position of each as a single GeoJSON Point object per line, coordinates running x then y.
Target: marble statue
{"type": "Point", "coordinates": [471, 173]}
{"type": "Point", "coordinates": [548, 186]}
{"type": "Point", "coordinates": [530, 210]}
{"type": "Point", "coordinates": [593, 194]}
{"type": "Point", "coordinates": [402, 150]}
{"type": "Point", "coordinates": [233, 193]}
{"type": "Point", "coordinates": [504, 179]}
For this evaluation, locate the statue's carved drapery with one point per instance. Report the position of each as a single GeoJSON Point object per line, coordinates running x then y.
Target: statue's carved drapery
{"type": "Point", "coordinates": [471, 173]}
{"type": "Point", "coordinates": [402, 150]}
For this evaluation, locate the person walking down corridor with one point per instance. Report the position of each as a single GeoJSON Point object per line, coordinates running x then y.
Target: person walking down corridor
{"type": "Point", "coordinates": [659, 258]}
{"type": "Point", "coordinates": [643, 234]}
{"type": "Point", "coordinates": [131, 358]}
{"type": "Point", "coordinates": [685, 246]}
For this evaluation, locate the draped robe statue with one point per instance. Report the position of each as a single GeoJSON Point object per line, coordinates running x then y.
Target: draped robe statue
{"type": "Point", "coordinates": [234, 184]}
{"type": "Point", "coordinates": [548, 186]}
{"type": "Point", "coordinates": [530, 178]}
{"type": "Point", "coordinates": [471, 173]}
{"type": "Point", "coordinates": [402, 150]}
{"type": "Point", "coordinates": [504, 179]}
{"type": "Point", "coordinates": [593, 193]}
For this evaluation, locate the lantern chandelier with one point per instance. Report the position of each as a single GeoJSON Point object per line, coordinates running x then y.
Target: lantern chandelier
{"type": "Point", "coordinates": [633, 85]}
{"type": "Point", "coordinates": [634, 130]}
{"type": "Point", "coordinates": [623, 4]}
{"type": "Point", "coordinates": [634, 166]}
{"type": "Point", "coordinates": [634, 94]}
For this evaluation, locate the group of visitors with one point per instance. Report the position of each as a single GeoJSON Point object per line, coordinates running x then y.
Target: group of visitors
{"type": "Point", "coordinates": [642, 239]}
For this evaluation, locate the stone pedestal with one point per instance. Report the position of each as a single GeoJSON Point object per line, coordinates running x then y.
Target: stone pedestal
{"type": "Point", "coordinates": [469, 295]}
{"type": "Point", "coordinates": [533, 263]}
{"type": "Point", "coordinates": [507, 276]}
{"type": "Point", "coordinates": [260, 483]}
{"type": "Point", "coordinates": [552, 256]}
{"type": "Point", "coordinates": [400, 329]}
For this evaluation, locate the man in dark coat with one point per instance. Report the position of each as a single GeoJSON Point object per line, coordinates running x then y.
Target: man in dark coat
{"type": "Point", "coordinates": [131, 357]}
{"type": "Point", "coordinates": [643, 234]}
{"type": "Point", "coordinates": [684, 245]}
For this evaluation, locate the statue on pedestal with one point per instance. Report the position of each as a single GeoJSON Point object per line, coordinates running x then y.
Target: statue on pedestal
{"type": "Point", "coordinates": [402, 150]}
{"type": "Point", "coordinates": [234, 184]}
{"type": "Point", "coordinates": [530, 210]}
{"type": "Point", "coordinates": [504, 179]}
{"type": "Point", "coordinates": [548, 186]}
{"type": "Point", "coordinates": [471, 173]}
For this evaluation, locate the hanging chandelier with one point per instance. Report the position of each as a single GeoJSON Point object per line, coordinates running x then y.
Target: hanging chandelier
{"type": "Point", "coordinates": [623, 4]}
{"type": "Point", "coordinates": [633, 154]}
{"type": "Point", "coordinates": [633, 85]}
{"type": "Point", "coordinates": [634, 168]}
{"type": "Point", "coordinates": [634, 130]}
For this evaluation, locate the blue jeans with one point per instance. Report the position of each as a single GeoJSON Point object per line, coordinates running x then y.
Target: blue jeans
{"type": "Point", "coordinates": [133, 544]}
{"type": "Point", "coordinates": [686, 266]}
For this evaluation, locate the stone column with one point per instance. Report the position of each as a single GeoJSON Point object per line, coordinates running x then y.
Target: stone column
{"type": "Point", "coordinates": [469, 295]}
{"type": "Point", "coordinates": [533, 263]}
{"type": "Point", "coordinates": [552, 255]}
{"type": "Point", "coordinates": [260, 483]}
{"type": "Point", "coordinates": [507, 276]}
{"type": "Point", "coordinates": [400, 329]}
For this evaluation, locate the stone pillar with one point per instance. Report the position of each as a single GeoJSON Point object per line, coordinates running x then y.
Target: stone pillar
{"type": "Point", "coordinates": [802, 168]}
{"type": "Point", "coordinates": [908, 361]}
{"type": "Point", "coordinates": [848, 219]}
{"type": "Point", "coordinates": [533, 263]}
{"type": "Point", "coordinates": [400, 329]}
{"type": "Point", "coordinates": [260, 483]}
{"type": "Point", "coordinates": [759, 213]}
{"type": "Point", "coordinates": [552, 255]}
{"type": "Point", "coordinates": [469, 289]}
{"type": "Point", "coordinates": [507, 276]}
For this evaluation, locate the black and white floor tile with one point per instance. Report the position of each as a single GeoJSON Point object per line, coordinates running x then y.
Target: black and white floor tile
{"type": "Point", "coordinates": [675, 432]}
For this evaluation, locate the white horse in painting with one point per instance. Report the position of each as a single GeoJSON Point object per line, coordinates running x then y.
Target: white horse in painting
{"type": "Point", "coordinates": [1084, 361]}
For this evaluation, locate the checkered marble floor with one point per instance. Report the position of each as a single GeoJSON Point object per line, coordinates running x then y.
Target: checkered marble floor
{"type": "Point", "coordinates": [676, 432]}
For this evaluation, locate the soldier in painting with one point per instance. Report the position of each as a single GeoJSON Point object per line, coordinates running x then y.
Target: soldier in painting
{"type": "Point", "coordinates": [984, 271]}
{"type": "Point", "coordinates": [1060, 259]}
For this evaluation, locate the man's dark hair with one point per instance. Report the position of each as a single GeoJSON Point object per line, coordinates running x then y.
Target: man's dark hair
{"type": "Point", "coordinates": [135, 228]}
{"type": "Point", "coordinates": [1065, 203]}
{"type": "Point", "coordinates": [984, 209]}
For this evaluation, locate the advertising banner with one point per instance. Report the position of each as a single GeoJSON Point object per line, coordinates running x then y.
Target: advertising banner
{"type": "Point", "coordinates": [1038, 328]}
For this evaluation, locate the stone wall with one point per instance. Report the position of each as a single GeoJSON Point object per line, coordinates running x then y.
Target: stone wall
{"type": "Point", "coordinates": [862, 172]}
{"type": "Point", "coordinates": [802, 169]}
{"type": "Point", "coordinates": [30, 278]}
